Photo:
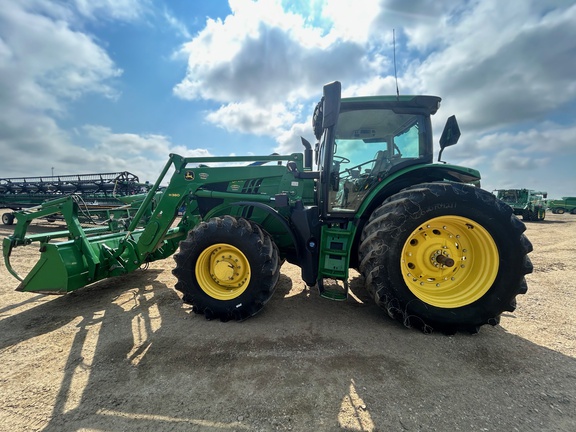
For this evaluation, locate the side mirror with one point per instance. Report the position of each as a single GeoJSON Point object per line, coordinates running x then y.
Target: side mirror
{"type": "Point", "coordinates": [450, 134]}
{"type": "Point", "coordinates": [332, 95]}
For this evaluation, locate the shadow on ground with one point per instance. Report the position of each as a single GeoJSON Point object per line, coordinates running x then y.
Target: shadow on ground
{"type": "Point", "coordinates": [139, 360]}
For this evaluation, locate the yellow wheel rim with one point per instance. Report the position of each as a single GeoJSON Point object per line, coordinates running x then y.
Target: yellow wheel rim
{"type": "Point", "coordinates": [449, 261]}
{"type": "Point", "coordinates": [223, 271]}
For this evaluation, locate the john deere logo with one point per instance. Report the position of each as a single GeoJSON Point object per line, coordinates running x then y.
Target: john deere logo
{"type": "Point", "coordinates": [189, 175]}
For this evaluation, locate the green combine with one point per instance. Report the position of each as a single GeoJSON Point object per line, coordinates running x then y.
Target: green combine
{"type": "Point", "coordinates": [563, 205]}
{"type": "Point", "coordinates": [435, 250]}
{"type": "Point", "coordinates": [528, 203]}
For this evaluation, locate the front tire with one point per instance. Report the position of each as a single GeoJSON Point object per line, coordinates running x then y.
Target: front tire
{"type": "Point", "coordinates": [227, 268]}
{"type": "Point", "coordinates": [445, 256]}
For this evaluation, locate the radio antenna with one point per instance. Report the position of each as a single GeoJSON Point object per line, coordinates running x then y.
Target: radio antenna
{"type": "Point", "coordinates": [395, 74]}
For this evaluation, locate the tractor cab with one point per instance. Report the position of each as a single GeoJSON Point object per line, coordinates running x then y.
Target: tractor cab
{"type": "Point", "coordinates": [371, 139]}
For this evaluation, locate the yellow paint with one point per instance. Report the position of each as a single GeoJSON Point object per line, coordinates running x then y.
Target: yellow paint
{"type": "Point", "coordinates": [425, 254]}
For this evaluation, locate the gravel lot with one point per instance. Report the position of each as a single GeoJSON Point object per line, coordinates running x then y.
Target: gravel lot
{"type": "Point", "coordinates": [126, 355]}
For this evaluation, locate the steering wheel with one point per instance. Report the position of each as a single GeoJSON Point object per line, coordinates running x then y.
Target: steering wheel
{"type": "Point", "coordinates": [342, 159]}
{"type": "Point", "coordinates": [348, 171]}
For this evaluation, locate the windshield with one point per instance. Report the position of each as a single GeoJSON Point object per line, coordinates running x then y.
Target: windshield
{"type": "Point", "coordinates": [369, 144]}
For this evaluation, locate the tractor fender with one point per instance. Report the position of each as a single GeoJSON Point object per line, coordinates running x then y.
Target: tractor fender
{"type": "Point", "coordinates": [402, 178]}
{"type": "Point", "coordinates": [274, 213]}
{"type": "Point", "coordinates": [225, 209]}
{"type": "Point", "coordinates": [302, 229]}
{"type": "Point", "coordinates": [410, 175]}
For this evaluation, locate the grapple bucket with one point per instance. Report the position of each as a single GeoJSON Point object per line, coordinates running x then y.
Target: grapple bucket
{"type": "Point", "coordinates": [132, 235]}
{"type": "Point", "coordinates": [69, 265]}
{"type": "Point", "coordinates": [61, 269]}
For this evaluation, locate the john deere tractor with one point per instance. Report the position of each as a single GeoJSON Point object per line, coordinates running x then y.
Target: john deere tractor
{"type": "Point", "coordinates": [434, 249]}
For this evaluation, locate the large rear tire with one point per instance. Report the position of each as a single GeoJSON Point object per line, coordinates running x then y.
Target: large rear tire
{"type": "Point", "coordinates": [227, 268]}
{"type": "Point", "coordinates": [445, 256]}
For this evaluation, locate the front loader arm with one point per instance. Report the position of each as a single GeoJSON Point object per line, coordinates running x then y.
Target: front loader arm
{"type": "Point", "coordinates": [78, 256]}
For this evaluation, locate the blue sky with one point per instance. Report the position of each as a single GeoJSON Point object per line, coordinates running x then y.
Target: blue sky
{"type": "Point", "coordinates": [113, 85]}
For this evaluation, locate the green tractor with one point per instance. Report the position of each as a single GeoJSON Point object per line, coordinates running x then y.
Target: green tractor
{"type": "Point", "coordinates": [528, 203]}
{"type": "Point", "coordinates": [435, 251]}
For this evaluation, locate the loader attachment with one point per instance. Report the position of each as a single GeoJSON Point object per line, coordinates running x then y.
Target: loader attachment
{"type": "Point", "coordinates": [78, 256]}
{"type": "Point", "coordinates": [85, 256]}
{"type": "Point", "coordinates": [144, 229]}
{"type": "Point", "coordinates": [58, 271]}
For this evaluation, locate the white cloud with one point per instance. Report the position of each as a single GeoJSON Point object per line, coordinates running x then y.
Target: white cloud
{"type": "Point", "coordinates": [549, 138]}
{"type": "Point", "coordinates": [126, 10]}
{"type": "Point", "coordinates": [511, 159]}
{"type": "Point", "coordinates": [537, 158]}
{"type": "Point", "coordinates": [177, 24]}
{"type": "Point", "coordinates": [503, 63]}
{"type": "Point", "coordinates": [126, 144]}
{"type": "Point", "coordinates": [289, 141]}
{"type": "Point", "coordinates": [44, 60]}
{"type": "Point", "coordinates": [250, 118]}
{"type": "Point", "coordinates": [262, 53]}
{"type": "Point", "coordinates": [43, 64]}
{"type": "Point", "coordinates": [352, 20]}
{"type": "Point", "coordinates": [145, 155]}
{"type": "Point", "coordinates": [423, 23]}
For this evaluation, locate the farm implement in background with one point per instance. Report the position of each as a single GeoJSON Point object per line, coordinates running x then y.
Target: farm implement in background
{"type": "Point", "coordinates": [528, 203]}
{"type": "Point", "coordinates": [94, 193]}
{"type": "Point", "coordinates": [563, 205]}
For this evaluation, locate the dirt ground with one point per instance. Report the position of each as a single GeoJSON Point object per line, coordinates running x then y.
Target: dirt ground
{"type": "Point", "coordinates": [126, 355]}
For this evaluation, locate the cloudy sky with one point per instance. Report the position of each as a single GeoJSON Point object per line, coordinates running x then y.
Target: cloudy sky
{"type": "Point", "coordinates": [116, 85]}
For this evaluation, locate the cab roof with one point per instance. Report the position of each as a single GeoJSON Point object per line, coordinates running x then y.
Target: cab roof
{"type": "Point", "coordinates": [425, 102]}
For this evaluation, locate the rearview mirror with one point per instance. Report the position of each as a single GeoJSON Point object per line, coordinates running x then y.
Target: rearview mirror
{"type": "Point", "coordinates": [450, 134]}
{"type": "Point", "coordinates": [332, 94]}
